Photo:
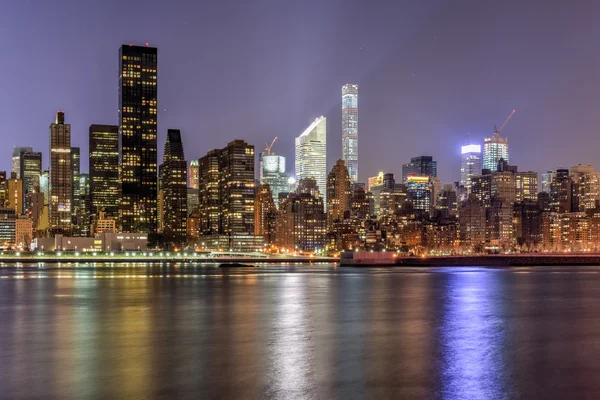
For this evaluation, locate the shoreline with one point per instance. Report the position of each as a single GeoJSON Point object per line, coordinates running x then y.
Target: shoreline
{"type": "Point", "coordinates": [496, 260]}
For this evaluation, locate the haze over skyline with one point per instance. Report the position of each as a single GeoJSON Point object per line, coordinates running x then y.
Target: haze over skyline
{"type": "Point", "coordinates": [429, 72]}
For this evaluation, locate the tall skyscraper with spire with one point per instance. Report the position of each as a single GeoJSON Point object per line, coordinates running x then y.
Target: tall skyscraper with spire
{"type": "Point", "coordinates": [311, 154]}
{"type": "Point", "coordinates": [350, 130]}
{"type": "Point", "coordinates": [137, 129]}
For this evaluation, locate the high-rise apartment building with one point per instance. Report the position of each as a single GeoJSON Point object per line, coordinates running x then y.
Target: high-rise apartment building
{"type": "Point", "coordinates": [226, 190]}
{"type": "Point", "coordinates": [311, 154]}
{"type": "Point", "coordinates": [173, 181]}
{"type": "Point", "coordinates": [138, 138]}
{"type": "Point", "coordinates": [75, 191]}
{"type": "Point", "coordinates": [30, 169]}
{"type": "Point", "coordinates": [60, 179]}
{"type": "Point", "coordinates": [494, 149]}
{"type": "Point", "coordinates": [338, 193]}
{"type": "Point", "coordinates": [272, 173]}
{"type": "Point", "coordinates": [301, 221]}
{"type": "Point", "coordinates": [419, 193]}
{"type": "Point", "coordinates": [84, 214]}
{"type": "Point", "coordinates": [193, 174]}
{"type": "Point", "coordinates": [419, 166]}
{"type": "Point", "coordinates": [104, 169]}
{"type": "Point", "coordinates": [16, 159]}
{"type": "Point", "coordinates": [470, 164]}
{"type": "Point", "coordinates": [561, 191]}
{"type": "Point", "coordinates": [14, 194]}
{"type": "Point", "coordinates": [350, 129]}
{"type": "Point", "coordinates": [265, 214]}
{"type": "Point", "coordinates": [209, 193]}
{"type": "Point", "coordinates": [526, 186]}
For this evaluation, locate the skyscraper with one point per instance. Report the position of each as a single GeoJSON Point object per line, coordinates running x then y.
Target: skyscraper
{"type": "Point", "coordinates": [138, 127]}
{"type": "Point", "coordinates": [311, 154]}
{"type": "Point", "coordinates": [272, 173]}
{"type": "Point", "coordinates": [60, 180]}
{"type": "Point", "coordinates": [265, 214]}
{"type": "Point", "coordinates": [350, 129]}
{"type": "Point", "coordinates": [494, 148]}
{"type": "Point", "coordinates": [193, 174]}
{"type": "Point", "coordinates": [75, 192]}
{"type": "Point", "coordinates": [173, 180]}
{"type": "Point", "coordinates": [16, 159]}
{"type": "Point", "coordinates": [338, 193]}
{"type": "Point", "coordinates": [209, 192]}
{"type": "Point", "coordinates": [419, 193]}
{"type": "Point", "coordinates": [470, 164]}
{"type": "Point", "coordinates": [226, 190]}
{"type": "Point", "coordinates": [14, 196]}
{"type": "Point", "coordinates": [104, 169]}
{"type": "Point", "coordinates": [419, 166]}
{"type": "Point", "coordinates": [31, 169]}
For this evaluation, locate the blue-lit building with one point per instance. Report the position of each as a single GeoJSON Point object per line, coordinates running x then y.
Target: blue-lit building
{"type": "Point", "coordinates": [494, 149]}
{"type": "Point", "coordinates": [470, 164]}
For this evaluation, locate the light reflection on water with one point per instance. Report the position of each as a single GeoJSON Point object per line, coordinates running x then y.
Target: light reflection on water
{"type": "Point", "coordinates": [198, 331]}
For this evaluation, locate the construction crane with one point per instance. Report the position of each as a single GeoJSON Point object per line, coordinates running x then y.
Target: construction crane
{"type": "Point", "coordinates": [269, 146]}
{"type": "Point", "coordinates": [497, 131]}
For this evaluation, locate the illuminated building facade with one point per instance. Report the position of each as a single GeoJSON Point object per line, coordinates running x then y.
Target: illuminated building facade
{"type": "Point", "coordinates": [14, 195]}
{"type": "Point", "coordinates": [193, 174]}
{"type": "Point", "coordinates": [173, 181]}
{"type": "Point", "coordinates": [311, 154]}
{"type": "Point", "coordinates": [60, 180]}
{"type": "Point", "coordinates": [138, 139]}
{"type": "Point", "coordinates": [470, 164]}
{"type": "Point", "coordinates": [419, 166]}
{"type": "Point", "coordinates": [209, 193]}
{"type": "Point", "coordinates": [265, 214]}
{"type": "Point", "coordinates": [75, 190]}
{"type": "Point", "coordinates": [419, 193]}
{"type": "Point", "coordinates": [526, 186]}
{"type": "Point", "coordinates": [350, 129]}
{"type": "Point", "coordinates": [338, 193]}
{"type": "Point", "coordinates": [30, 169]}
{"type": "Point", "coordinates": [226, 190]}
{"type": "Point", "coordinates": [301, 222]}
{"type": "Point", "coordinates": [272, 173]}
{"type": "Point", "coordinates": [375, 181]}
{"type": "Point", "coordinates": [104, 169]}
{"type": "Point", "coordinates": [494, 149]}
{"type": "Point", "coordinates": [17, 157]}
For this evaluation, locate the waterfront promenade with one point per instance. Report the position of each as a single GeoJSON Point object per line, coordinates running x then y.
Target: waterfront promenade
{"type": "Point", "coordinates": [157, 257]}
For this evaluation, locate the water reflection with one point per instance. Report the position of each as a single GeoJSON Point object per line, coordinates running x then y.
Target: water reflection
{"type": "Point", "coordinates": [197, 331]}
{"type": "Point", "coordinates": [473, 338]}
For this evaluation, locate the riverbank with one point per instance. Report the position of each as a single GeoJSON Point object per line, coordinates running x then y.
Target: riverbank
{"type": "Point", "coordinates": [496, 260]}
{"type": "Point", "coordinates": [151, 258]}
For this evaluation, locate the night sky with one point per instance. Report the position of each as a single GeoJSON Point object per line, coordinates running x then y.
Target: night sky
{"type": "Point", "coordinates": [429, 72]}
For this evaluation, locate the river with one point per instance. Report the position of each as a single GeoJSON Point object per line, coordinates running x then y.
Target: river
{"type": "Point", "coordinates": [298, 332]}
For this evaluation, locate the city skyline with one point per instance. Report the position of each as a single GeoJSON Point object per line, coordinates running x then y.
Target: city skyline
{"type": "Point", "coordinates": [417, 120]}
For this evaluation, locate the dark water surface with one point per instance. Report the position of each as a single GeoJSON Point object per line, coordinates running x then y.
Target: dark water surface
{"type": "Point", "coordinates": [298, 332]}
